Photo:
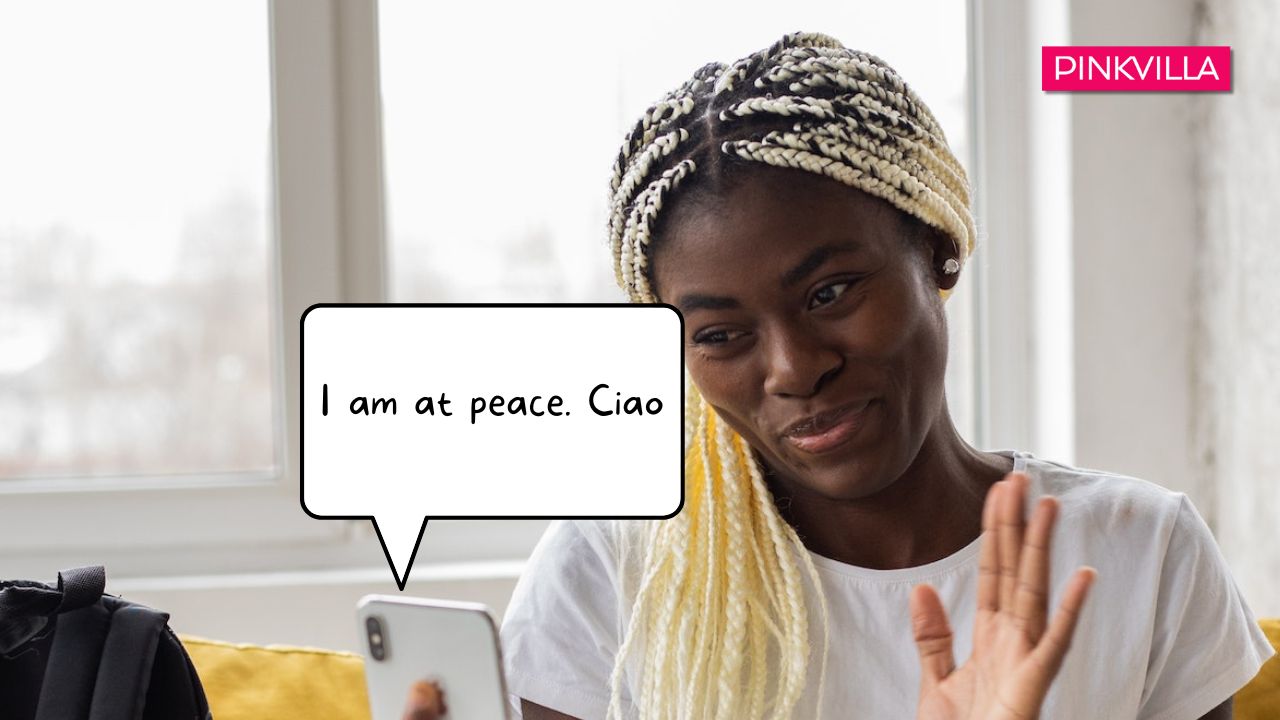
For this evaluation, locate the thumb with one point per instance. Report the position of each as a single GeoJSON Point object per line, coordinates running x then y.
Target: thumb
{"type": "Point", "coordinates": [932, 635]}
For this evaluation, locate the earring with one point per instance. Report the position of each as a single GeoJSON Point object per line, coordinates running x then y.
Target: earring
{"type": "Point", "coordinates": [951, 266]}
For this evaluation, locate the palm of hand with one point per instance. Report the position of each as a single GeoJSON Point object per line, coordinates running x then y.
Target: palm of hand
{"type": "Point", "coordinates": [974, 690]}
{"type": "Point", "coordinates": [1015, 656]}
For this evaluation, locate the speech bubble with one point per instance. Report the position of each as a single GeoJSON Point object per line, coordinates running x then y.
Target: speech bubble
{"type": "Point", "coordinates": [412, 412]}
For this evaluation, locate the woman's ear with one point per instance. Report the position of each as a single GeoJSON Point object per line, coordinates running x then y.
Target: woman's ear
{"type": "Point", "coordinates": [944, 249]}
{"type": "Point", "coordinates": [933, 247]}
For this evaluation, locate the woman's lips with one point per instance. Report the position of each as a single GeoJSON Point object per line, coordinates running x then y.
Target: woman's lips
{"type": "Point", "coordinates": [846, 426]}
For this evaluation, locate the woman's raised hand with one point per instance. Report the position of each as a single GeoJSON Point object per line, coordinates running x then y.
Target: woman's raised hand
{"type": "Point", "coordinates": [1016, 654]}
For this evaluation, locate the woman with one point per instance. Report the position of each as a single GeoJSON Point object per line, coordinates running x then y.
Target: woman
{"type": "Point", "coordinates": [802, 210]}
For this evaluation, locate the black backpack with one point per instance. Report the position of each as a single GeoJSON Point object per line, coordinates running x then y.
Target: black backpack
{"type": "Point", "coordinates": [71, 653]}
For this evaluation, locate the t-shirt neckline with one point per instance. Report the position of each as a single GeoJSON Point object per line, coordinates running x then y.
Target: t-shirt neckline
{"type": "Point", "coordinates": [941, 566]}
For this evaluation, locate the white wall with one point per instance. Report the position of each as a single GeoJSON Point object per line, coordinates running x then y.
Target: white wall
{"type": "Point", "coordinates": [1135, 234]}
{"type": "Point", "coordinates": [1175, 244]}
{"type": "Point", "coordinates": [1237, 393]}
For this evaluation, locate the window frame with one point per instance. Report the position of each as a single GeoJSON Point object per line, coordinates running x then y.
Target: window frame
{"type": "Point", "coordinates": [1022, 191]}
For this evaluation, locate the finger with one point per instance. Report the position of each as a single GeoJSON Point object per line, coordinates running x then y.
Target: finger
{"type": "Point", "coordinates": [1011, 529]}
{"type": "Point", "coordinates": [426, 702]}
{"type": "Point", "coordinates": [988, 558]}
{"type": "Point", "coordinates": [1053, 647]}
{"type": "Point", "coordinates": [933, 637]}
{"type": "Point", "coordinates": [1031, 601]}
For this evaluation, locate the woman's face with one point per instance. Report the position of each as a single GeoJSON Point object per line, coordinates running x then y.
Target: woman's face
{"type": "Point", "coordinates": [803, 297]}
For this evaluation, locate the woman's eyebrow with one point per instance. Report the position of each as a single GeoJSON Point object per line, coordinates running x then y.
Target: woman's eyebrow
{"type": "Point", "coordinates": [689, 303]}
{"type": "Point", "coordinates": [813, 261]}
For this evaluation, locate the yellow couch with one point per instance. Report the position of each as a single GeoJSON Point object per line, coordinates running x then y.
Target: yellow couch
{"type": "Point", "coordinates": [1260, 699]}
{"type": "Point", "coordinates": [247, 682]}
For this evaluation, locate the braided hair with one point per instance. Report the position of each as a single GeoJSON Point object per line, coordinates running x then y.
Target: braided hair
{"type": "Point", "coordinates": [719, 626]}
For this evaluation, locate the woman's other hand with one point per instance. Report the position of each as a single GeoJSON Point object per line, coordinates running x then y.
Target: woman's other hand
{"type": "Point", "coordinates": [1015, 655]}
{"type": "Point", "coordinates": [426, 702]}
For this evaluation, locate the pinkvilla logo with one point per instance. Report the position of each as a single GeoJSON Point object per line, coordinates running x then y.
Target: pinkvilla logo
{"type": "Point", "coordinates": [1136, 68]}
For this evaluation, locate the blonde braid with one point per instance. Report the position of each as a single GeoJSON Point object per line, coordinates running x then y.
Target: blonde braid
{"type": "Point", "coordinates": [738, 523]}
{"type": "Point", "coordinates": [720, 625]}
{"type": "Point", "coordinates": [707, 630]}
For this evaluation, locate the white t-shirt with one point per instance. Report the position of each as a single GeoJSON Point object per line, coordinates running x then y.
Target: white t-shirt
{"type": "Point", "coordinates": [1165, 634]}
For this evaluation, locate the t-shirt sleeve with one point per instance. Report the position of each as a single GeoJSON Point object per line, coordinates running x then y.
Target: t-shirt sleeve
{"type": "Point", "coordinates": [1206, 644]}
{"type": "Point", "coordinates": [560, 632]}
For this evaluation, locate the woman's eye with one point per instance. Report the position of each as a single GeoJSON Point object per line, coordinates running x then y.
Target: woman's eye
{"type": "Point", "coordinates": [828, 294]}
{"type": "Point", "coordinates": [715, 337]}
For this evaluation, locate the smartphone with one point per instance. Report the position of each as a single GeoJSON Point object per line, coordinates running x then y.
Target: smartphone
{"type": "Point", "coordinates": [454, 644]}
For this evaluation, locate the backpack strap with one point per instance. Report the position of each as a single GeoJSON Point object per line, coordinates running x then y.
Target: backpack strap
{"type": "Point", "coordinates": [128, 657]}
{"type": "Point", "coordinates": [81, 631]}
{"type": "Point", "coordinates": [72, 668]}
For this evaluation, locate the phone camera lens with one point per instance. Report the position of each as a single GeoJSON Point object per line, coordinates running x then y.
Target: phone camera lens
{"type": "Point", "coordinates": [377, 638]}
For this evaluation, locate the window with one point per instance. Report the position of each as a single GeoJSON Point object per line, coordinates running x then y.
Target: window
{"type": "Point", "coordinates": [134, 242]}
{"type": "Point", "coordinates": [140, 334]}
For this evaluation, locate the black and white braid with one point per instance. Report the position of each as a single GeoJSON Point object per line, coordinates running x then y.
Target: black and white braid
{"type": "Point", "coordinates": [806, 102]}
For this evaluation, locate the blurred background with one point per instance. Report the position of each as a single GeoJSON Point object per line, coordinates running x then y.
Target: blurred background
{"type": "Point", "coordinates": [180, 180]}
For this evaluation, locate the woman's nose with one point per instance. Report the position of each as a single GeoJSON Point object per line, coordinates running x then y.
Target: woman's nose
{"type": "Point", "coordinates": [799, 363]}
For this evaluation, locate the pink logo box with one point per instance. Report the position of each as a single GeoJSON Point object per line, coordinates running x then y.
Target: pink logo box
{"type": "Point", "coordinates": [1136, 68]}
